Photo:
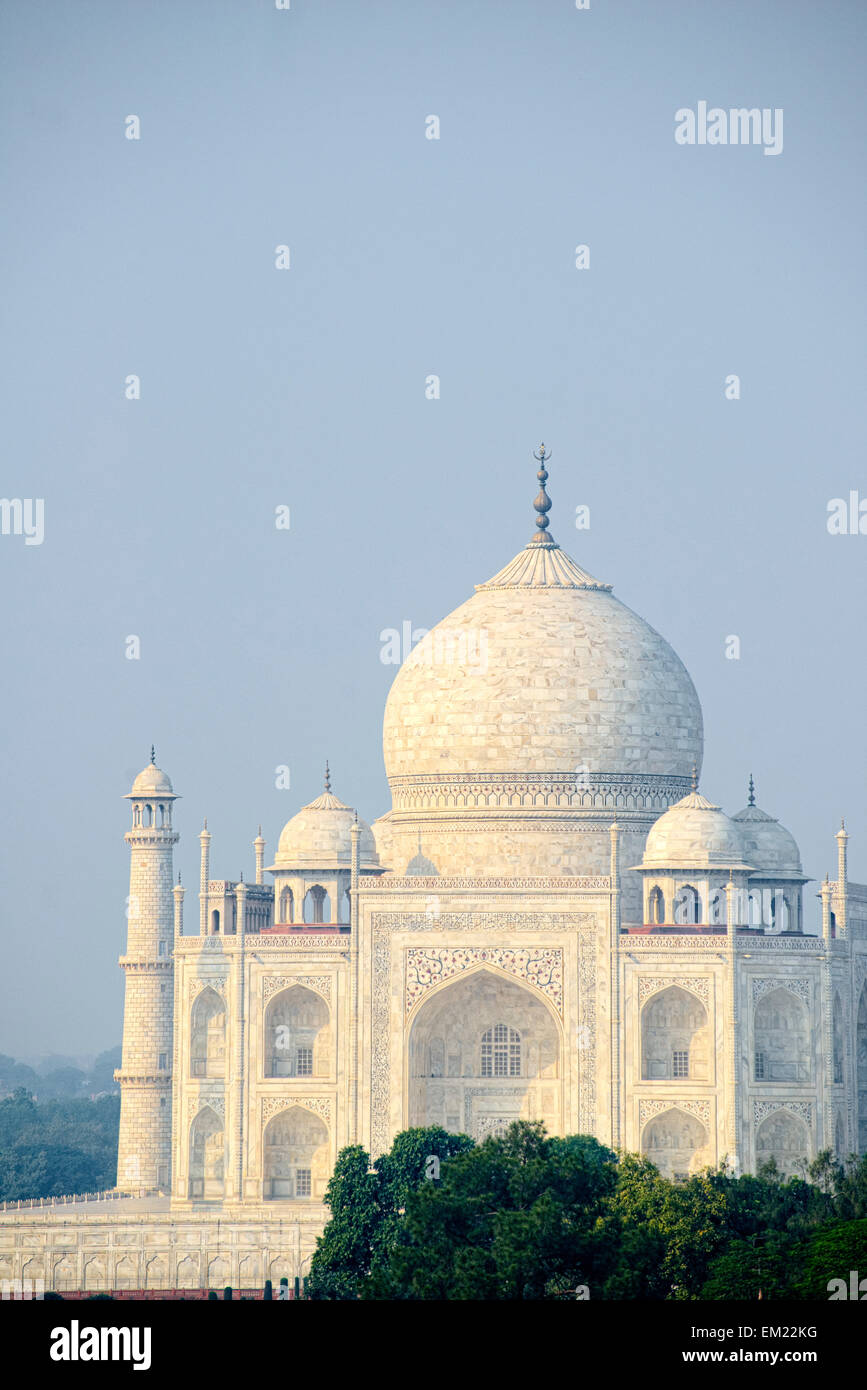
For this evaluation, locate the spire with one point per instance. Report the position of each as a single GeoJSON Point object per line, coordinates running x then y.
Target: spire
{"type": "Point", "coordinates": [542, 502]}
{"type": "Point", "coordinates": [153, 755]}
{"type": "Point", "coordinates": [259, 848]}
{"type": "Point", "coordinates": [327, 776]}
{"type": "Point", "coordinates": [695, 777]}
{"type": "Point", "coordinates": [752, 800]}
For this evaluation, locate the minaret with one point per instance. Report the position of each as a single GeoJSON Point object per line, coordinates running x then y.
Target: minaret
{"type": "Point", "coordinates": [145, 1075]}
{"type": "Point", "coordinates": [204, 878]}
{"type": "Point", "coordinates": [259, 847]}
{"type": "Point", "coordinates": [842, 892]}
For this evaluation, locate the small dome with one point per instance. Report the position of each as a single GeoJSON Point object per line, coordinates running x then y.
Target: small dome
{"type": "Point", "coordinates": [694, 834]}
{"type": "Point", "coordinates": [152, 782]}
{"type": "Point", "coordinates": [320, 837]}
{"type": "Point", "coordinates": [767, 844]}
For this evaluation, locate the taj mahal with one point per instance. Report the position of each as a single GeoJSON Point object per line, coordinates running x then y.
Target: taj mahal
{"type": "Point", "coordinates": [552, 922]}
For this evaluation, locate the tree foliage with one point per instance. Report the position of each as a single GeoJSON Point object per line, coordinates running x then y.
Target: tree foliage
{"type": "Point", "coordinates": [524, 1216]}
{"type": "Point", "coordinates": [60, 1147]}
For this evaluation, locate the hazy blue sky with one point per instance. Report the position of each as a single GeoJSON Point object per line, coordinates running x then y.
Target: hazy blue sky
{"type": "Point", "coordinates": [306, 387]}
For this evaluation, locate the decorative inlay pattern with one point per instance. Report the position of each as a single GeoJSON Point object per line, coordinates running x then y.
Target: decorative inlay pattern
{"type": "Point", "coordinates": [287, 940]}
{"type": "Point", "coordinates": [718, 942]}
{"type": "Point", "coordinates": [572, 883]}
{"type": "Point", "coordinates": [272, 983]}
{"type": "Point", "coordinates": [320, 1105]}
{"type": "Point", "coordinates": [536, 791]}
{"type": "Point", "coordinates": [587, 1024]}
{"type": "Point", "coordinates": [202, 1100]}
{"type": "Point", "coordinates": [764, 984]}
{"type": "Point", "coordinates": [763, 1108]}
{"type": "Point", "coordinates": [216, 982]}
{"type": "Point", "coordinates": [647, 1109]}
{"type": "Point", "coordinates": [426, 967]}
{"type": "Point", "coordinates": [695, 984]}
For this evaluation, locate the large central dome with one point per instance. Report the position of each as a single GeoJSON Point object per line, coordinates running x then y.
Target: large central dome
{"type": "Point", "coordinates": [543, 698]}
{"type": "Point", "coordinates": [542, 670]}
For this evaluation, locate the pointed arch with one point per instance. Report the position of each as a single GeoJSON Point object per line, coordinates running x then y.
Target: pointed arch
{"type": "Point", "coordinates": [676, 1142]}
{"type": "Point", "coordinates": [297, 1160]}
{"type": "Point", "coordinates": [687, 906]}
{"type": "Point", "coordinates": [483, 1048]}
{"type": "Point", "coordinates": [781, 1031]}
{"type": "Point", "coordinates": [208, 1034]}
{"type": "Point", "coordinates": [317, 905]}
{"type": "Point", "coordinates": [207, 1158]}
{"type": "Point", "coordinates": [297, 1039]}
{"type": "Point", "coordinates": [784, 1137]}
{"type": "Point", "coordinates": [837, 1035]}
{"type": "Point", "coordinates": [656, 905]}
{"type": "Point", "coordinates": [286, 906]}
{"type": "Point", "coordinates": [675, 1036]}
{"type": "Point", "coordinates": [861, 1068]}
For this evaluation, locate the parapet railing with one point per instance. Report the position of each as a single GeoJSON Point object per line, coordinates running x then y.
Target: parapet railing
{"type": "Point", "coordinates": [66, 1199]}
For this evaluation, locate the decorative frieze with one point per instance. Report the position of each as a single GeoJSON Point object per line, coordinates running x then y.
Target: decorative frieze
{"type": "Point", "coordinates": [763, 1108]}
{"type": "Point", "coordinates": [273, 1105]}
{"type": "Point", "coordinates": [648, 1109]}
{"type": "Point", "coordinates": [695, 984]}
{"type": "Point", "coordinates": [196, 986]}
{"type": "Point", "coordinates": [273, 983]}
{"type": "Point", "coordinates": [763, 984]}
{"type": "Point", "coordinates": [429, 966]}
{"type": "Point", "coordinates": [536, 791]}
{"type": "Point", "coordinates": [569, 883]}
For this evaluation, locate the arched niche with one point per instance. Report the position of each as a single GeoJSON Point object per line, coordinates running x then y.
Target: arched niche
{"type": "Point", "coordinates": [286, 906]}
{"type": "Point", "coordinates": [208, 1034]}
{"type": "Point", "coordinates": [861, 1069]}
{"type": "Point", "coordinates": [207, 1158]}
{"type": "Point", "coordinates": [297, 1039]}
{"type": "Point", "coordinates": [837, 1040]}
{"type": "Point", "coordinates": [676, 1142]}
{"type": "Point", "coordinates": [296, 1156]}
{"type": "Point", "coordinates": [717, 908]}
{"type": "Point", "coordinates": [783, 1137]}
{"type": "Point", "coordinates": [316, 907]}
{"type": "Point", "coordinates": [687, 906]}
{"type": "Point", "coordinates": [781, 911]}
{"type": "Point", "coordinates": [656, 905]}
{"type": "Point", "coordinates": [675, 1038]}
{"type": "Point", "coordinates": [484, 1050]}
{"type": "Point", "coordinates": [781, 1033]}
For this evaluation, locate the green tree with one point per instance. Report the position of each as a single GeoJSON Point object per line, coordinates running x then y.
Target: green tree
{"type": "Point", "coordinates": [517, 1217]}
{"type": "Point", "coordinates": [833, 1252]}
{"type": "Point", "coordinates": [366, 1207]}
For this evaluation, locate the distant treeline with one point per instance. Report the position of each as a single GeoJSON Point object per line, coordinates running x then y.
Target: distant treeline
{"type": "Point", "coordinates": [55, 1147]}
{"type": "Point", "coordinates": [58, 1078]}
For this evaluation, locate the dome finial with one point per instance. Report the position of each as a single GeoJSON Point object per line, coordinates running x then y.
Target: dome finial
{"type": "Point", "coordinates": [695, 777]}
{"type": "Point", "coordinates": [542, 502]}
{"type": "Point", "coordinates": [752, 800]}
{"type": "Point", "coordinates": [153, 755]}
{"type": "Point", "coordinates": [327, 776]}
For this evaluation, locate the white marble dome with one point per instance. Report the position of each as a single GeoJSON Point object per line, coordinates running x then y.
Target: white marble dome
{"type": "Point", "coordinates": [767, 844]}
{"type": "Point", "coordinates": [542, 671]}
{"type": "Point", "coordinates": [694, 834]}
{"type": "Point", "coordinates": [152, 781]}
{"type": "Point", "coordinates": [320, 837]}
